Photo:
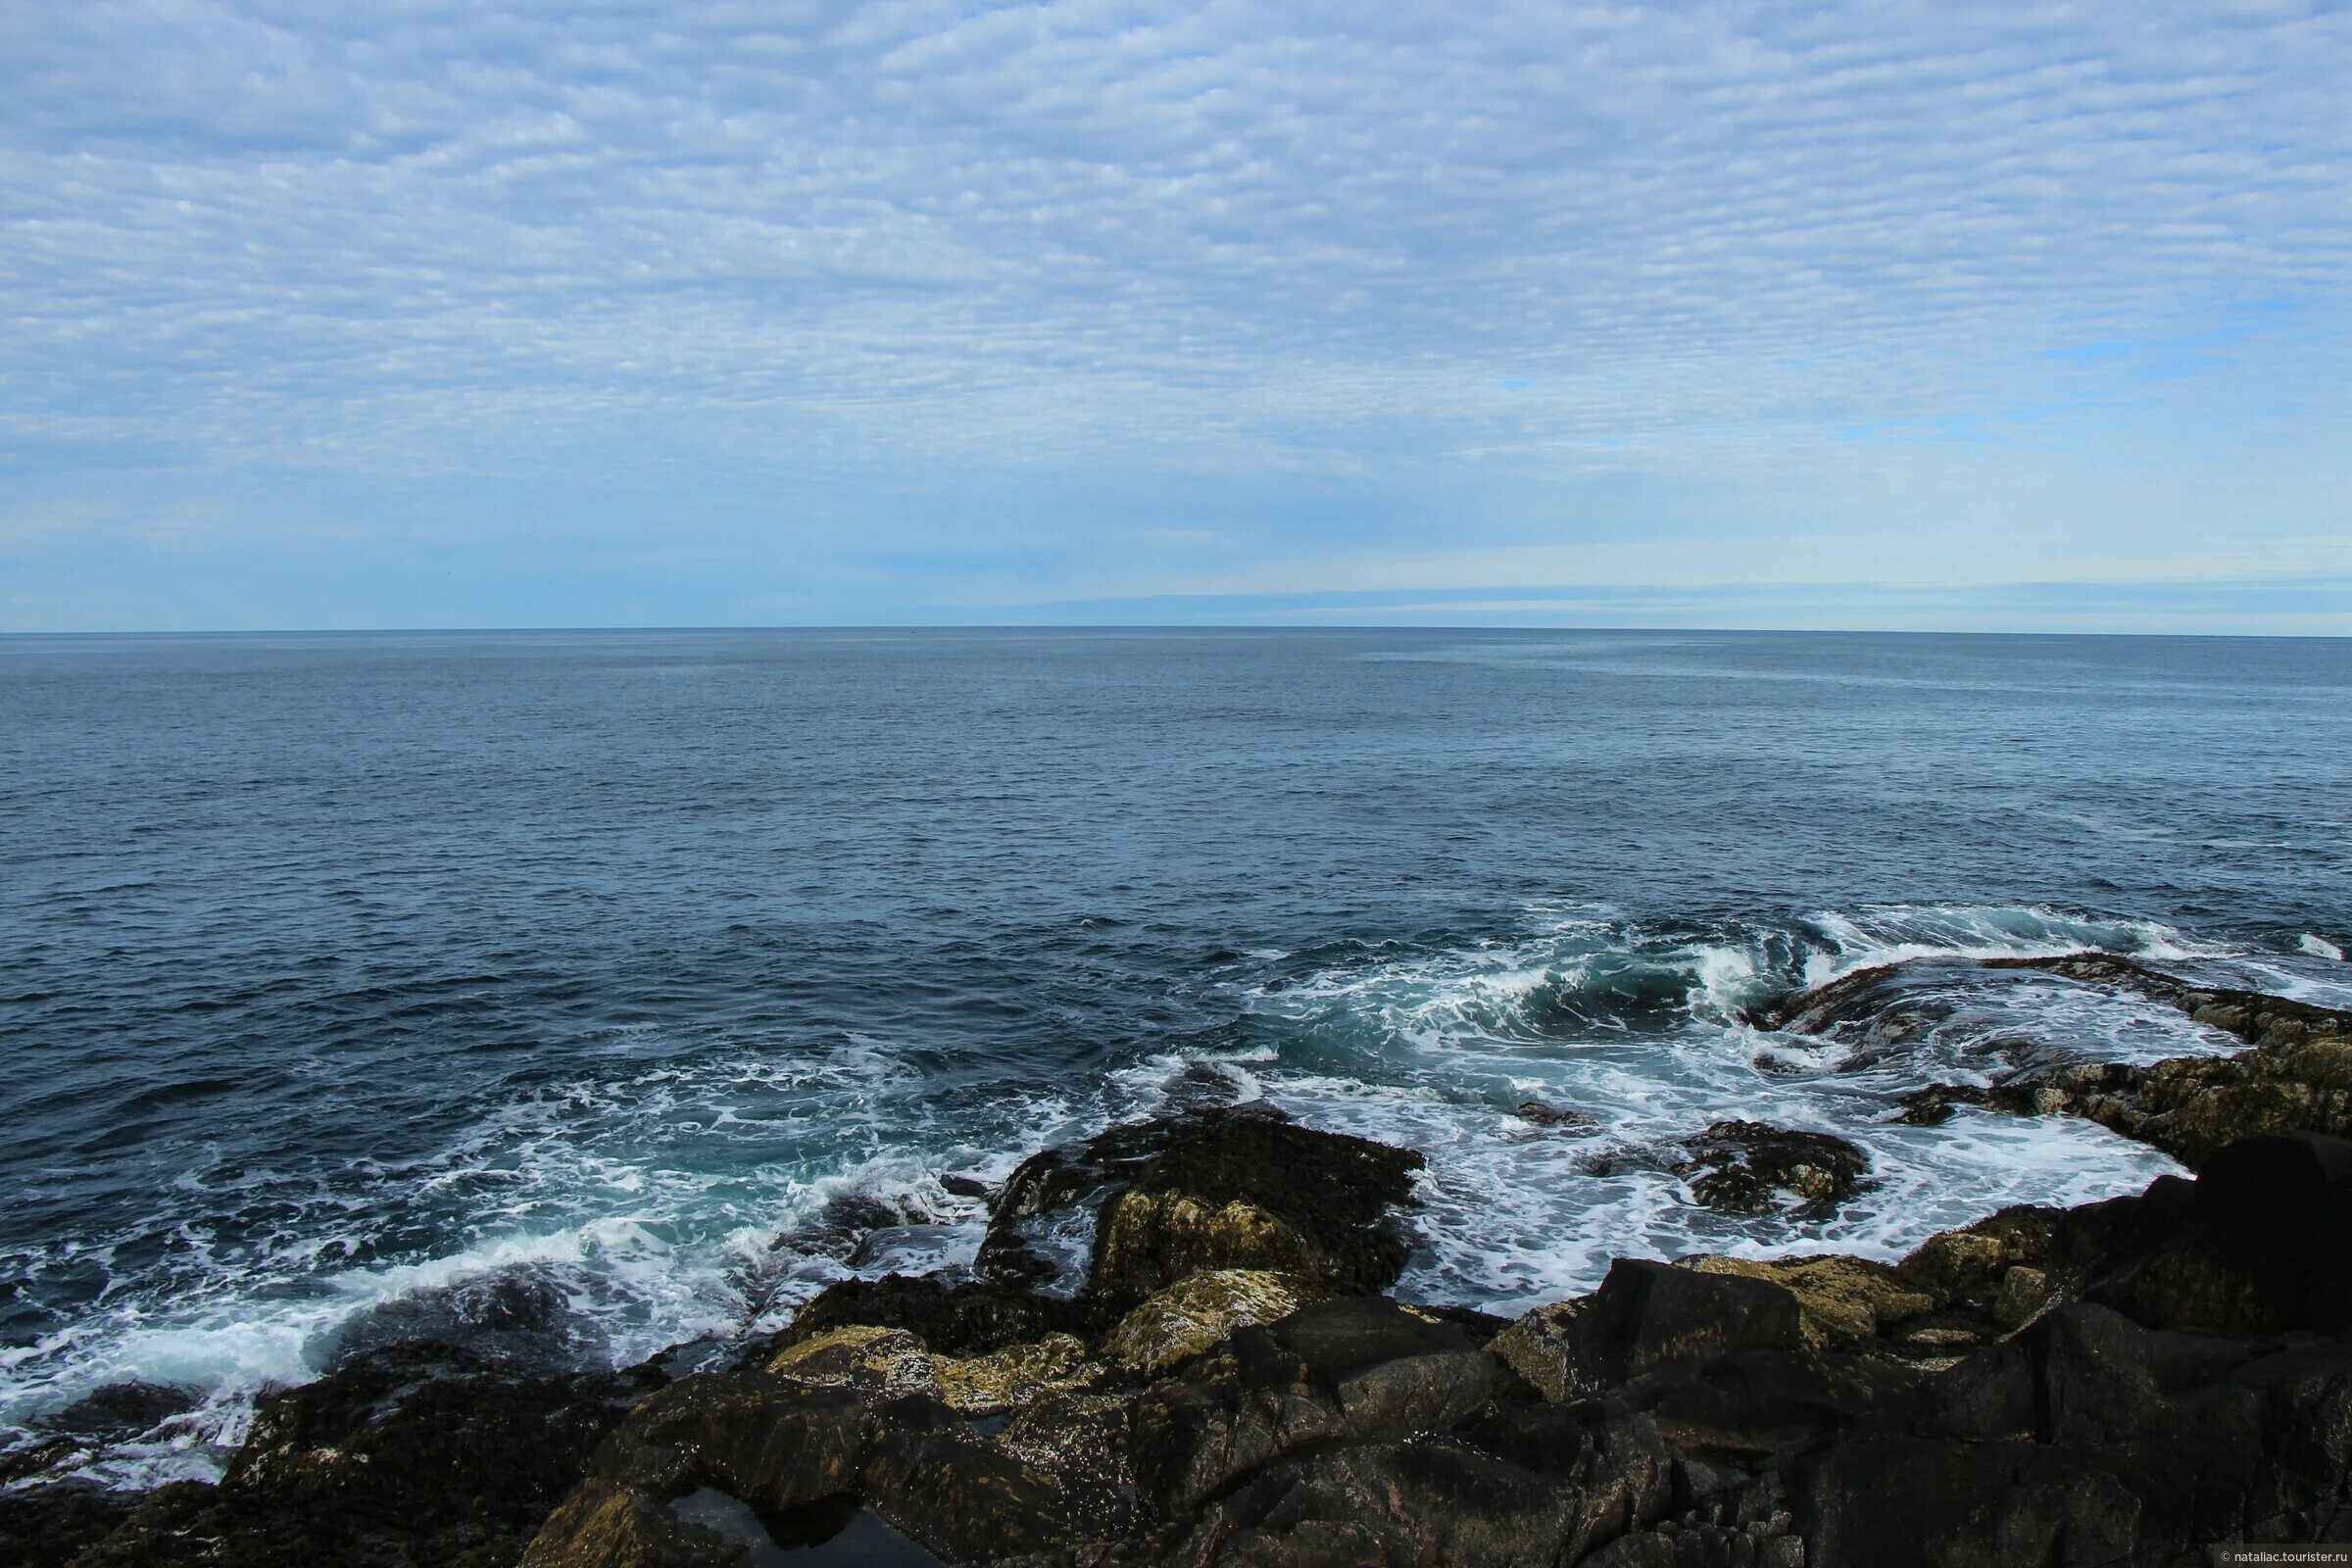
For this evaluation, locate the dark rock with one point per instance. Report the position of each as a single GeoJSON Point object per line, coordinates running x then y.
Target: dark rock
{"type": "Point", "coordinates": [120, 1410]}
{"type": "Point", "coordinates": [952, 1319]}
{"type": "Point", "coordinates": [521, 1316]}
{"type": "Point", "coordinates": [1851, 998]}
{"type": "Point", "coordinates": [970, 1499]}
{"type": "Point", "coordinates": [1651, 1315]}
{"type": "Point", "coordinates": [1646, 1316]}
{"type": "Point", "coordinates": [1561, 1117]}
{"type": "Point", "coordinates": [960, 1186]}
{"type": "Point", "coordinates": [1743, 1166]}
{"type": "Point", "coordinates": [1436, 1501]}
{"type": "Point", "coordinates": [414, 1455]}
{"type": "Point", "coordinates": [1753, 1406]}
{"type": "Point", "coordinates": [2088, 1439]}
{"type": "Point", "coordinates": [1237, 1187]}
{"type": "Point", "coordinates": [2262, 1243]}
{"type": "Point", "coordinates": [48, 1526]}
{"type": "Point", "coordinates": [1223, 1415]}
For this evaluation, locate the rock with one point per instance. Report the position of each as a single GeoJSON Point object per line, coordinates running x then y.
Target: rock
{"type": "Point", "coordinates": [120, 1410]}
{"type": "Point", "coordinates": [1240, 1187]}
{"type": "Point", "coordinates": [950, 1319]}
{"type": "Point", "coordinates": [48, 1526]}
{"type": "Point", "coordinates": [605, 1524]}
{"type": "Point", "coordinates": [1541, 1347]}
{"type": "Point", "coordinates": [970, 1499]}
{"type": "Point", "coordinates": [1436, 1500]}
{"type": "Point", "coordinates": [957, 1185]}
{"type": "Point", "coordinates": [1851, 998]}
{"type": "Point", "coordinates": [1647, 1315]}
{"type": "Point", "coordinates": [2088, 1439]}
{"type": "Point", "coordinates": [1198, 1312]}
{"type": "Point", "coordinates": [1007, 1379]}
{"type": "Point", "coordinates": [2190, 1107]}
{"type": "Point", "coordinates": [1078, 1436]}
{"type": "Point", "coordinates": [2261, 1243]}
{"type": "Point", "coordinates": [1344, 1369]}
{"type": "Point", "coordinates": [2260, 1019]}
{"type": "Point", "coordinates": [520, 1316]}
{"type": "Point", "coordinates": [1842, 1302]}
{"type": "Point", "coordinates": [877, 1361]}
{"type": "Point", "coordinates": [1565, 1119]}
{"type": "Point", "coordinates": [412, 1454]}
{"type": "Point", "coordinates": [1743, 1166]}
{"type": "Point", "coordinates": [1250, 1193]}
{"type": "Point", "coordinates": [1753, 1406]}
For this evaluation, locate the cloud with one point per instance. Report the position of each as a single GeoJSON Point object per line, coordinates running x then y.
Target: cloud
{"type": "Point", "coordinates": [886, 275]}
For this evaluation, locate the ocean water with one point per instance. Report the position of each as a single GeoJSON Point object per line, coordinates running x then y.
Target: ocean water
{"type": "Point", "coordinates": [359, 984]}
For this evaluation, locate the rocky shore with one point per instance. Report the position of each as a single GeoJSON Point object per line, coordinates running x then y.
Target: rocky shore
{"type": "Point", "coordinates": [1173, 1348]}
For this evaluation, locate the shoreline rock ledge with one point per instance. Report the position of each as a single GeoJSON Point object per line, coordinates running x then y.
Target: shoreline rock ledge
{"type": "Point", "coordinates": [1173, 1349]}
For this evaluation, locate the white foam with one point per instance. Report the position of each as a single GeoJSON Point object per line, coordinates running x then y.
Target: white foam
{"type": "Point", "coordinates": [2318, 947]}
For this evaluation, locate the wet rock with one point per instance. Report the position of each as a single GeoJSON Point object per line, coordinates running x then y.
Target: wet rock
{"type": "Point", "coordinates": [1252, 1192]}
{"type": "Point", "coordinates": [605, 1524]}
{"type": "Point", "coordinates": [1742, 1167]}
{"type": "Point", "coordinates": [1435, 1501]}
{"type": "Point", "coordinates": [1198, 1313]}
{"type": "Point", "coordinates": [2260, 1244]}
{"type": "Point", "coordinates": [1646, 1316]}
{"type": "Point", "coordinates": [119, 1410]}
{"type": "Point", "coordinates": [970, 1318]}
{"type": "Point", "coordinates": [1358, 1367]}
{"type": "Point", "coordinates": [414, 1455]}
{"type": "Point", "coordinates": [1559, 1116]}
{"type": "Point", "coordinates": [1853, 997]}
{"type": "Point", "coordinates": [2190, 1107]}
{"type": "Point", "coordinates": [48, 1526]}
{"type": "Point", "coordinates": [1842, 1302]}
{"type": "Point", "coordinates": [876, 1361]}
{"type": "Point", "coordinates": [2254, 1017]}
{"type": "Point", "coordinates": [1010, 1377]}
{"type": "Point", "coordinates": [957, 1185]}
{"type": "Point", "coordinates": [1748, 1407]}
{"type": "Point", "coordinates": [970, 1499]}
{"type": "Point", "coordinates": [2088, 1439]}
{"type": "Point", "coordinates": [1079, 1436]}
{"type": "Point", "coordinates": [520, 1317]}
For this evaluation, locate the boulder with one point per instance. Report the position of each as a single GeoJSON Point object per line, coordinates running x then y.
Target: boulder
{"type": "Point", "coordinates": [414, 1455]}
{"type": "Point", "coordinates": [48, 1526]}
{"type": "Point", "coordinates": [970, 1499]}
{"type": "Point", "coordinates": [1842, 1302]}
{"type": "Point", "coordinates": [2090, 1439]}
{"type": "Point", "coordinates": [1433, 1500]}
{"type": "Point", "coordinates": [951, 1319]}
{"type": "Point", "coordinates": [2261, 1243]}
{"type": "Point", "coordinates": [1198, 1312]}
{"type": "Point", "coordinates": [1743, 1167]}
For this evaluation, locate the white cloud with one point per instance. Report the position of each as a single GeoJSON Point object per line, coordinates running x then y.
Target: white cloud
{"type": "Point", "coordinates": [1748, 242]}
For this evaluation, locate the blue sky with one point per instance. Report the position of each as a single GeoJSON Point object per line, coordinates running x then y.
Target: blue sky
{"type": "Point", "coordinates": [2013, 317]}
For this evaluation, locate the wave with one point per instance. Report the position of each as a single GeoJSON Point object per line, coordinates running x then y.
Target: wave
{"type": "Point", "coordinates": [707, 1195]}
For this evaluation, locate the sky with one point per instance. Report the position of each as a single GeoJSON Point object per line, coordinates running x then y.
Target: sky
{"type": "Point", "coordinates": [1948, 317]}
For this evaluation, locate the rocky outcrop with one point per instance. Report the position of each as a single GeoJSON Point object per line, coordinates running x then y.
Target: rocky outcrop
{"type": "Point", "coordinates": [1745, 1167]}
{"type": "Point", "coordinates": [2190, 1107]}
{"type": "Point", "coordinates": [2121, 1383]}
{"type": "Point", "coordinates": [1235, 1188]}
{"type": "Point", "coordinates": [412, 1454]}
{"type": "Point", "coordinates": [2296, 1078]}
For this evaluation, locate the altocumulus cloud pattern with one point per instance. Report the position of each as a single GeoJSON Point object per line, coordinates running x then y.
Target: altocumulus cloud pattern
{"type": "Point", "coordinates": [1725, 313]}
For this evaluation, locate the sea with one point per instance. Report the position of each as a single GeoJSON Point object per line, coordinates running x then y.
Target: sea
{"type": "Point", "coordinates": [364, 985]}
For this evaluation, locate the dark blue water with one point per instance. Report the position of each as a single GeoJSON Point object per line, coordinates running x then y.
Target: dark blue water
{"type": "Point", "coordinates": [355, 970]}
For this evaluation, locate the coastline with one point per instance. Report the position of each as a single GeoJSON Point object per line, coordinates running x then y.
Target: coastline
{"type": "Point", "coordinates": [1224, 1382]}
